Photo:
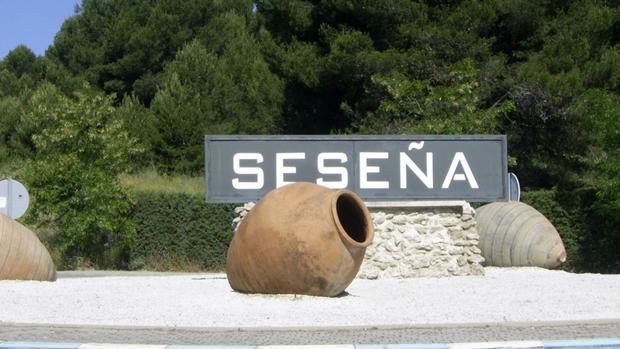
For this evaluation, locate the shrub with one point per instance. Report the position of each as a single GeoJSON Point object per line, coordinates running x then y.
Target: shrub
{"type": "Point", "coordinates": [178, 231]}
{"type": "Point", "coordinates": [589, 234]}
{"type": "Point", "coordinates": [80, 148]}
{"type": "Point", "coordinates": [564, 221]}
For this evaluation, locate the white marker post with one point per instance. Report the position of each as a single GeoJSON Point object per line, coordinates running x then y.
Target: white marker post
{"type": "Point", "coordinates": [14, 198]}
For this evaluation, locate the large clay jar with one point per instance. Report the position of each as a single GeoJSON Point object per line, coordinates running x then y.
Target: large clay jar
{"type": "Point", "coordinates": [300, 239]}
{"type": "Point", "coordinates": [22, 255]}
{"type": "Point", "coordinates": [515, 234]}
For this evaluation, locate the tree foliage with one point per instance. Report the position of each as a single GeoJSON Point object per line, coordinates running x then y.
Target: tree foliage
{"type": "Point", "coordinates": [122, 46]}
{"type": "Point", "coordinates": [220, 87]}
{"type": "Point", "coordinates": [80, 148]}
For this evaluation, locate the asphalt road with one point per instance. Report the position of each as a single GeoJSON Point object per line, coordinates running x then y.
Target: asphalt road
{"type": "Point", "coordinates": [292, 336]}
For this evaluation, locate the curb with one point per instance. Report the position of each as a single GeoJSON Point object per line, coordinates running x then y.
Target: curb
{"type": "Point", "coordinates": [558, 344]}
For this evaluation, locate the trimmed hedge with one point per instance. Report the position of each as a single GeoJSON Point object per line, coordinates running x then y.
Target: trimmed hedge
{"type": "Point", "coordinates": [179, 231]}
{"type": "Point", "coordinates": [590, 235]}
{"type": "Point", "coordinates": [565, 222]}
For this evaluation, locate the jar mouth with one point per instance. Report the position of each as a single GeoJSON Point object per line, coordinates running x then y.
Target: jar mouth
{"type": "Point", "coordinates": [352, 218]}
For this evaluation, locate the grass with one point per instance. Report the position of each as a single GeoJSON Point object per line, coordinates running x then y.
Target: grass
{"type": "Point", "coordinates": [150, 180]}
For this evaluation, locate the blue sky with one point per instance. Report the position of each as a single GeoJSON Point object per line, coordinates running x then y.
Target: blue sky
{"type": "Point", "coordinates": [33, 23]}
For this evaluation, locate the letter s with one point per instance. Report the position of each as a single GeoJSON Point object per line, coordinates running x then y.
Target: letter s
{"type": "Point", "coordinates": [257, 171]}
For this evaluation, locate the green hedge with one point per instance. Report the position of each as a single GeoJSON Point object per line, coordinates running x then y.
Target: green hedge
{"type": "Point", "coordinates": [178, 231]}
{"type": "Point", "coordinates": [565, 222]}
{"type": "Point", "coordinates": [590, 235]}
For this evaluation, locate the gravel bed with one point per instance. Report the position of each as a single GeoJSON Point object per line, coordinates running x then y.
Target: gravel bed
{"type": "Point", "coordinates": [206, 300]}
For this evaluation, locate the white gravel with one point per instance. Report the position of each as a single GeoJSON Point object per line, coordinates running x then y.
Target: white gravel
{"type": "Point", "coordinates": [206, 300]}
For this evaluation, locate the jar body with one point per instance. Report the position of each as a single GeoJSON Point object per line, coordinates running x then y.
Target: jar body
{"type": "Point", "coordinates": [22, 255]}
{"type": "Point", "coordinates": [300, 239]}
{"type": "Point", "coordinates": [515, 234]}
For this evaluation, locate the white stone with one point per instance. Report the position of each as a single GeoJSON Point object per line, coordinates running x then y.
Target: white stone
{"type": "Point", "coordinates": [450, 221]}
{"type": "Point", "coordinates": [475, 250]}
{"type": "Point", "coordinates": [477, 259]}
{"type": "Point", "coordinates": [379, 218]}
{"type": "Point", "coordinates": [471, 236]}
{"type": "Point", "coordinates": [389, 226]}
{"type": "Point", "coordinates": [455, 250]}
{"type": "Point", "coordinates": [390, 246]}
{"type": "Point", "coordinates": [468, 224]}
{"type": "Point", "coordinates": [399, 219]}
{"type": "Point", "coordinates": [385, 236]}
{"type": "Point", "coordinates": [461, 242]}
{"type": "Point", "coordinates": [425, 246]}
{"type": "Point", "coordinates": [461, 261]}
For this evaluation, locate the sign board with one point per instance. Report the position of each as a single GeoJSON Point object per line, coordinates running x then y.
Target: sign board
{"type": "Point", "coordinates": [378, 168]}
{"type": "Point", "coordinates": [14, 198]}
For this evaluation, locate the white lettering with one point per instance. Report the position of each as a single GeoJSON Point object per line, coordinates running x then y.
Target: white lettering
{"type": "Point", "coordinates": [342, 171]}
{"type": "Point", "coordinates": [365, 170]}
{"type": "Point", "coordinates": [459, 157]}
{"type": "Point", "coordinates": [427, 179]}
{"type": "Point", "coordinates": [257, 171]}
{"type": "Point", "coordinates": [281, 169]}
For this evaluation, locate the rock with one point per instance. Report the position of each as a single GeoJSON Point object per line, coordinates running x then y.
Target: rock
{"type": "Point", "coordinates": [372, 275]}
{"type": "Point", "coordinates": [385, 236]}
{"type": "Point", "coordinates": [425, 246]}
{"type": "Point", "coordinates": [461, 261]}
{"type": "Point", "coordinates": [471, 236]}
{"type": "Point", "coordinates": [461, 242]}
{"type": "Point", "coordinates": [450, 221]}
{"type": "Point", "coordinates": [436, 228]}
{"type": "Point", "coordinates": [468, 224]}
{"type": "Point", "coordinates": [399, 219]}
{"type": "Point", "coordinates": [475, 250]}
{"type": "Point", "coordinates": [390, 246]}
{"type": "Point", "coordinates": [468, 210]}
{"type": "Point", "coordinates": [418, 219]}
{"type": "Point", "coordinates": [421, 262]}
{"type": "Point", "coordinates": [475, 259]}
{"type": "Point", "coordinates": [389, 226]}
{"type": "Point", "coordinates": [455, 250]}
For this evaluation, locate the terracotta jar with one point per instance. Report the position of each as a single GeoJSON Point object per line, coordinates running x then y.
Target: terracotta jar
{"type": "Point", "coordinates": [300, 239]}
{"type": "Point", "coordinates": [513, 234]}
{"type": "Point", "coordinates": [22, 255]}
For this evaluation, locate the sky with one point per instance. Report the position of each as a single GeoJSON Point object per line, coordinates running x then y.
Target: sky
{"type": "Point", "coordinates": [33, 23]}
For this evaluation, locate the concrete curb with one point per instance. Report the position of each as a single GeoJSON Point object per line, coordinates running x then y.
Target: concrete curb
{"type": "Point", "coordinates": [601, 343]}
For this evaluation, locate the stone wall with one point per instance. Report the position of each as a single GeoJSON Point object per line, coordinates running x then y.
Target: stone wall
{"type": "Point", "coordinates": [425, 239]}
{"type": "Point", "coordinates": [417, 239]}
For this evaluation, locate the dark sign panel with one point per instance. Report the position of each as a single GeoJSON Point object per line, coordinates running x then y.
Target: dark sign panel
{"type": "Point", "coordinates": [378, 168]}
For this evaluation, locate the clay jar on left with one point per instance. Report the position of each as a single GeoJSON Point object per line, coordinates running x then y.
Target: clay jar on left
{"type": "Point", "coordinates": [22, 255]}
{"type": "Point", "coordinates": [300, 239]}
